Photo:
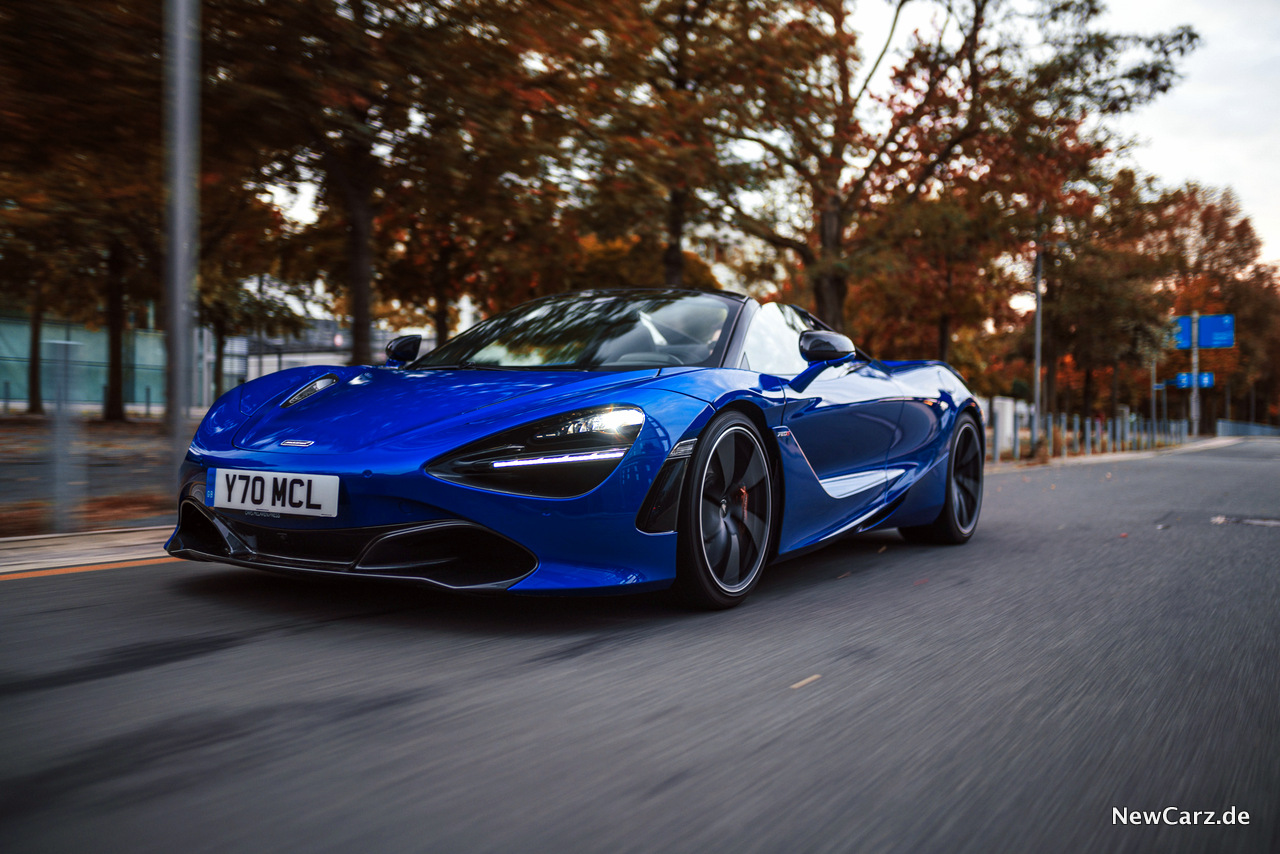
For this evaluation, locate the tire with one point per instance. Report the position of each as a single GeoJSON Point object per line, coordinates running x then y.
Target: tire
{"type": "Point", "coordinates": [959, 516]}
{"type": "Point", "coordinates": [726, 516]}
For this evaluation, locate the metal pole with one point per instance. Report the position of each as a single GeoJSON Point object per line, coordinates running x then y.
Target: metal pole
{"type": "Point", "coordinates": [995, 432]}
{"type": "Point", "coordinates": [182, 122]}
{"type": "Point", "coordinates": [1035, 419]}
{"type": "Point", "coordinates": [1195, 373]}
{"type": "Point", "coordinates": [1155, 392]}
{"type": "Point", "coordinates": [65, 471]}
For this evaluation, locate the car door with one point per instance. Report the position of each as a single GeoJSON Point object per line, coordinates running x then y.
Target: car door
{"type": "Point", "coordinates": [842, 416]}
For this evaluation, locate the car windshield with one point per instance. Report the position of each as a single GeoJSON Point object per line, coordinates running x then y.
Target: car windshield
{"type": "Point", "coordinates": [596, 331]}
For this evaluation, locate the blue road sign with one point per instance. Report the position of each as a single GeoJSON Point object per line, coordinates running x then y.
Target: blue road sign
{"type": "Point", "coordinates": [1217, 332]}
{"type": "Point", "coordinates": [1184, 380]}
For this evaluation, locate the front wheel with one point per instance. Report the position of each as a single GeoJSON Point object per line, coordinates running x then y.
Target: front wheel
{"type": "Point", "coordinates": [959, 517]}
{"type": "Point", "coordinates": [726, 524]}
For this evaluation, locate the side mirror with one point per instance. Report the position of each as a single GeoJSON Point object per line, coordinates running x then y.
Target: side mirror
{"type": "Point", "coordinates": [402, 350]}
{"type": "Point", "coordinates": [819, 345]}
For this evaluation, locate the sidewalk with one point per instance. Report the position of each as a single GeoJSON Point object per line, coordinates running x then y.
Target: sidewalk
{"type": "Point", "coordinates": [23, 554]}
{"type": "Point", "coordinates": [1123, 456]}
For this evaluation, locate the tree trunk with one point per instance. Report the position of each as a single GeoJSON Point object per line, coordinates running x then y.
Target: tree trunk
{"type": "Point", "coordinates": [673, 256]}
{"type": "Point", "coordinates": [1115, 389]}
{"type": "Point", "coordinates": [1048, 398]}
{"type": "Point", "coordinates": [35, 394]}
{"type": "Point", "coordinates": [1086, 395]}
{"type": "Point", "coordinates": [944, 323]}
{"type": "Point", "coordinates": [352, 168]}
{"type": "Point", "coordinates": [360, 274]}
{"type": "Point", "coordinates": [113, 406]}
{"type": "Point", "coordinates": [829, 291]}
{"type": "Point", "coordinates": [831, 285]}
{"type": "Point", "coordinates": [219, 347]}
{"type": "Point", "coordinates": [441, 273]}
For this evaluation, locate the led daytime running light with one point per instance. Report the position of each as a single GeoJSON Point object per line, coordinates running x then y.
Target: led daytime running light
{"type": "Point", "coordinates": [595, 456]}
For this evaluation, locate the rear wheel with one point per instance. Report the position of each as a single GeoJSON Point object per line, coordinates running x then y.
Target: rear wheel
{"type": "Point", "coordinates": [959, 517]}
{"type": "Point", "coordinates": [726, 524]}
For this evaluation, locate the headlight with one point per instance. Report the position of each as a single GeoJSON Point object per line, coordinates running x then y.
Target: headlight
{"type": "Point", "coordinates": [309, 389]}
{"type": "Point", "coordinates": [557, 458]}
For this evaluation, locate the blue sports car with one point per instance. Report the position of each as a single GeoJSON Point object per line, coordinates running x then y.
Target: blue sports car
{"type": "Point", "coordinates": [602, 441]}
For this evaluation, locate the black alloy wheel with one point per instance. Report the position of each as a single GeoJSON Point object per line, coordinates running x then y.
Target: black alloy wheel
{"type": "Point", "coordinates": [727, 516]}
{"type": "Point", "coordinates": [959, 516]}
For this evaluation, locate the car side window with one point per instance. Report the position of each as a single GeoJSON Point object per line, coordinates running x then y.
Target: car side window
{"type": "Point", "coordinates": [772, 345]}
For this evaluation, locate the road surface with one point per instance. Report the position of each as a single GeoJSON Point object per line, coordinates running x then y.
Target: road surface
{"type": "Point", "coordinates": [1107, 645]}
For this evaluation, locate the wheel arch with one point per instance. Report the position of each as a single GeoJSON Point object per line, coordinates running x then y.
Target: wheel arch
{"type": "Point", "coordinates": [756, 416]}
{"type": "Point", "coordinates": [972, 409]}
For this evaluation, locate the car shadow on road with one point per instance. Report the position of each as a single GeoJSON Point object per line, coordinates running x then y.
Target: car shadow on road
{"type": "Point", "coordinates": [315, 602]}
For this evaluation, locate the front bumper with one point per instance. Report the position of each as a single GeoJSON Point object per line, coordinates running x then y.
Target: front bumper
{"type": "Point", "coordinates": [452, 554]}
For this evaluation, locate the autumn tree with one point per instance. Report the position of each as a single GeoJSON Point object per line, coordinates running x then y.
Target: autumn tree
{"type": "Point", "coordinates": [661, 98]}
{"type": "Point", "coordinates": [1102, 303]}
{"type": "Point", "coordinates": [94, 150]}
{"type": "Point", "coordinates": [1218, 271]}
{"type": "Point", "coordinates": [984, 71]}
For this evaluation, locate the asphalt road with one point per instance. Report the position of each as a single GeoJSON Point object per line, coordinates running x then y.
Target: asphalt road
{"type": "Point", "coordinates": [1101, 643]}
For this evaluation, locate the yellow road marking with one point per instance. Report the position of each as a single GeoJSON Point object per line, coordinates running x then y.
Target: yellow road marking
{"type": "Point", "coordinates": [69, 570]}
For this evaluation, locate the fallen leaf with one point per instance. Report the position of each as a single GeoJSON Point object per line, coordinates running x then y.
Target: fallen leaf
{"type": "Point", "coordinates": [808, 681]}
{"type": "Point", "coordinates": [843, 575]}
{"type": "Point", "coordinates": [883, 549]}
{"type": "Point", "coordinates": [1124, 535]}
{"type": "Point", "coordinates": [921, 581]}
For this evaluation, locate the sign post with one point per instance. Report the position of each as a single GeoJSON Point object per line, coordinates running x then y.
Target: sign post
{"type": "Point", "coordinates": [1195, 373]}
{"type": "Point", "coordinates": [1035, 416]}
{"type": "Point", "coordinates": [1155, 389]}
{"type": "Point", "coordinates": [1213, 332]}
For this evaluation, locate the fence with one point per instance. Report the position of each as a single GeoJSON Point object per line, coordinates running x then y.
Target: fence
{"type": "Point", "coordinates": [1245, 428]}
{"type": "Point", "coordinates": [1061, 435]}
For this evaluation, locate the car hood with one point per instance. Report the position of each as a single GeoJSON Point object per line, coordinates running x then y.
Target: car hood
{"type": "Point", "coordinates": [376, 407]}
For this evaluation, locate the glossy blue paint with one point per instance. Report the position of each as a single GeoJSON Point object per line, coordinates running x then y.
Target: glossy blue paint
{"type": "Point", "coordinates": [852, 440]}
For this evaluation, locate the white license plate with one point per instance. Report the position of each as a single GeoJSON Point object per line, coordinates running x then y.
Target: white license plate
{"type": "Point", "coordinates": [276, 492]}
